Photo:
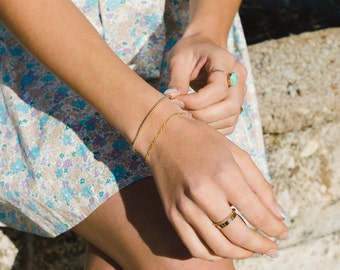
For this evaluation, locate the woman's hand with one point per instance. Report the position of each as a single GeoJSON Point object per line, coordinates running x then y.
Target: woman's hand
{"type": "Point", "coordinates": [191, 63]}
{"type": "Point", "coordinates": [199, 179]}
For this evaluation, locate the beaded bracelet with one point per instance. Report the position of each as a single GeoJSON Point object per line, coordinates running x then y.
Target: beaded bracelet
{"type": "Point", "coordinates": [146, 157]}
{"type": "Point", "coordinates": [144, 121]}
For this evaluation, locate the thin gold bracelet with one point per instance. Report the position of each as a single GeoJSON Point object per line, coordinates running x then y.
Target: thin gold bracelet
{"type": "Point", "coordinates": [159, 132]}
{"type": "Point", "coordinates": [144, 121]}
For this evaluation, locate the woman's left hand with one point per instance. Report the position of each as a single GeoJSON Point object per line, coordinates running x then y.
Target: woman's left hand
{"type": "Point", "coordinates": [191, 62]}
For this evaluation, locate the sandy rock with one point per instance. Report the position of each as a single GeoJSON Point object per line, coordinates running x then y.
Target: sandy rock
{"type": "Point", "coordinates": [297, 80]}
{"type": "Point", "coordinates": [8, 252]}
{"type": "Point", "coordinates": [316, 254]}
{"type": "Point", "coordinates": [299, 105]}
{"type": "Point", "coordinates": [309, 190]}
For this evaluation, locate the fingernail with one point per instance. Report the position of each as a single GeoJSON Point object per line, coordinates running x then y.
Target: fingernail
{"type": "Point", "coordinates": [170, 92]}
{"type": "Point", "coordinates": [284, 236]}
{"type": "Point", "coordinates": [281, 212]}
{"type": "Point", "coordinates": [178, 102]}
{"type": "Point", "coordinates": [273, 253]}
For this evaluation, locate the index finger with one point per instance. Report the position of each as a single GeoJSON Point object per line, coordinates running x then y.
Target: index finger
{"type": "Point", "coordinates": [258, 202]}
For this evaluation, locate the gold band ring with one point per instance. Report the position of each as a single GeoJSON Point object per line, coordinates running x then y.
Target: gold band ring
{"type": "Point", "coordinates": [232, 77]}
{"type": "Point", "coordinates": [225, 222]}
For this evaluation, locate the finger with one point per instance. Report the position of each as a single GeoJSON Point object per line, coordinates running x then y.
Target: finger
{"type": "Point", "coordinates": [225, 123]}
{"type": "Point", "coordinates": [219, 115]}
{"type": "Point", "coordinates": [190, 238]}
{"type": "Point", "coordinates": [180, 76]}
{"type": "Point", "coordinates": [225, 126]}
{"type": "Point", "coordinates": [210, 94]}
{"type": "Point", "coordinates": [217, 90]}
{"type": "Point", "coordinates": [241, 235]}
{"type": "Point", "coordinates": [261, 187]}
{"type": "Point", "coordinates": [214, 203]}
{"type": "Point", "coordinates": [251, 206]}
{"type": "Point", "coordinates": [258, 215]}
{"type": "Point", "coordinates": [211, 236]}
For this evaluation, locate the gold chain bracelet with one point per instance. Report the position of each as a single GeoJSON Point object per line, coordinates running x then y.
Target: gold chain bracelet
{"type": "Point", "coordinates": [144, 121]}
{"type": "Point", "coordinates": [159, 132]}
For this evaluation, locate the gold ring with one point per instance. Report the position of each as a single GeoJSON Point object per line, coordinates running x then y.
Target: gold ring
{"type": "Point", "coordinates": [232, 77]}
{"type": "Point", "coordinates": [225, 222]}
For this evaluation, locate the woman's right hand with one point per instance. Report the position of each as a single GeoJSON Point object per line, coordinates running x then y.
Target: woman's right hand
{"type": "Point", "coordinates": [200, 175]}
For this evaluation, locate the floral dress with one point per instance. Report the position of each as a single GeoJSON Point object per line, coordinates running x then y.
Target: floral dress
{"type": "Point", "coordinates": [59, 158]}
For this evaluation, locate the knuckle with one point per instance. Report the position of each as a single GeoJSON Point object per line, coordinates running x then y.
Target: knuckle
{"type": "Point", "coordinates": [200, 116]}
{"type": "Point", "coordinates": [233, 173]}
{"type": "Point", "coordinates": [241, 241]}
{"type": "Point", "coordinates": [267, 189]}
{"type": "Point", "coordinates": [222, 89]}
{"type": "Point", "coordinates": [229, 57]}
{"type": "Point", "coordinates": [259, 218]}
{"type": "Point", "coordinates": [185, 209]}
{"type": "Point", "coordinates": [175, 59]}
{"type": "Point", "coordinates": [220, 171]}
{"type": "Point", "coordinates": [172, 213]}
{"type": "Point", "coordinates": [197, 193]}
{"type": "Point", "coordinates": [235, 110]}
{"type": "Point", "coordinates": [222, 251]}
{"type": "Point", "coordinates": [233, 123]}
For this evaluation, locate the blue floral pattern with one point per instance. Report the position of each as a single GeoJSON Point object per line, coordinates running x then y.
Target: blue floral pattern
{"type": "Point", "coordinates": [59, 158]}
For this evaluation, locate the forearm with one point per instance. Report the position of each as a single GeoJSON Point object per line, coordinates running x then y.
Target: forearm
{"type": "Point", "coordinates": [212, 19]}
{"type": "Point", "coordinates": [59, 36]}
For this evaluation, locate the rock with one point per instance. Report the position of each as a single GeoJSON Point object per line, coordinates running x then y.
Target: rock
{"type": "Point", "coordinates": [301, 87]}
{"type": "Point", "coordinates": [8, 252]}
{"type": "Point", "coordinates": [302, 132]}
{"type": "Point", "coordinates": [316, 254]}
{"type": "Point", "coordinates": [311, 147]}
{"type": "Point", "coordinates": [309, 191]}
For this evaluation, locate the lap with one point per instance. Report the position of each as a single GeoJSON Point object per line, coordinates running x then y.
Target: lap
{"type": "Point", "coordinates": [131, 227]}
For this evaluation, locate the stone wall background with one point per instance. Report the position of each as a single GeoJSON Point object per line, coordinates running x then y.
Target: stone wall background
{"type": "Point", "coordinates": [298, 87]}
{"type": "Point", "coordinates": [298, 84]}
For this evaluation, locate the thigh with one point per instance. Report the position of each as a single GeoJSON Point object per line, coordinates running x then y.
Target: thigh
{"type": "Point", "coordinates": [132, 229]}
{"type": "Point", "coordinates": [96, 259]}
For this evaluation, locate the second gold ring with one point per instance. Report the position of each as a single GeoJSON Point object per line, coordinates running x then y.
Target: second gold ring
{"type": "Point", "coordinates": [232, 77]}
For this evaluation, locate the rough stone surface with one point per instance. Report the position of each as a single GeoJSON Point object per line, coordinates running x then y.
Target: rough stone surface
{"type": "Point", "coordinates": [305, 174]}
{"type": "Point", "coordinates": [298, 85]}
{"type": "Point", "coordinates": [321, 253]}
{"type": "Point", "coordinates": [8, 252]}
{"type": "Point", "coordinates": [297, 80]}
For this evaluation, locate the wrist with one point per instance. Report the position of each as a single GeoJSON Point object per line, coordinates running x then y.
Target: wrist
{"type": "Point", "coordinates": [212, 19]}
{"type": "Point", "coordinates": [173, 130]}
{"type": "Point", "coordinates": [160, 130]}
{"type": "Point", "coordinates": [218, 35]}
{"type": "Point", "coordinates": [151, 124]}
